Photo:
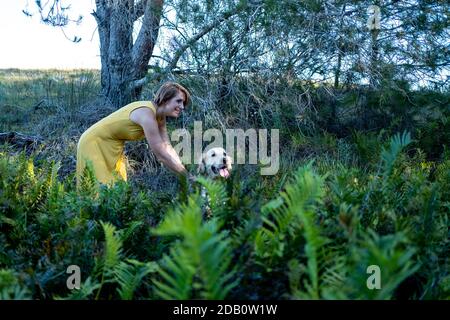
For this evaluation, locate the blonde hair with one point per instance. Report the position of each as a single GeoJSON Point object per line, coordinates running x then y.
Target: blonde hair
{"type": "Point", "coordinates": [169, 90]}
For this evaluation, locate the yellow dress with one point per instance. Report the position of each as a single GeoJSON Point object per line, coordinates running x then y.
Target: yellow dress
{"type": "Point", "coordinates": [103, 144]}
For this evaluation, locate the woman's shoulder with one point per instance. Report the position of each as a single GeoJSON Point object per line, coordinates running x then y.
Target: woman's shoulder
{"type": "Point", "coordinates": [141, 103]}
{"type": "Point", "coordinates": [137, 113]}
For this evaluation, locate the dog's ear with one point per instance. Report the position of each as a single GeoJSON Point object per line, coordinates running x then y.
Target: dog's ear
{"type": "Point", "coordinates": [201, 167]}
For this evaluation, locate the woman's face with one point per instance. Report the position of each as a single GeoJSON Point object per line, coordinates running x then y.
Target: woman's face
{"type": "Point", "coordinates": [175, 106]}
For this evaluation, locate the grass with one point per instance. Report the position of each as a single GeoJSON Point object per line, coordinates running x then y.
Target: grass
{"type": "Point", "coordinates": [339, 202]}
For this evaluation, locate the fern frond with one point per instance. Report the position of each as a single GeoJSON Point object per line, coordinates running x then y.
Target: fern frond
{"type": "Point", "coordinates": [10, 289]}
{"type": "Point", "coordinates": [177, 272]}
{"type": "Point", "coordinates": [392, 254]}
{"type": "Point", "coordinates": [217, 196]}
{"type": "Point", "coordinates": [85, 292]}
{"type": "Point", "coordinates": [88, 182]}
{"type": "Point", "coordinates": [285, 215]}
{"type": "Point", "coordinates": [198, 264]}
{"type": "Point", "coordinates": [134, 225]}
{"type": "Point", "coordinates": [129, 275]}
{"type": "Point", "coordinates": [186, 215]}
{"type": "Point", "coordinates": [216, 255]}
{"type": "Point", "coordinates": [113, 247]}
{"type": "Point", "coordinates": [389, 155]}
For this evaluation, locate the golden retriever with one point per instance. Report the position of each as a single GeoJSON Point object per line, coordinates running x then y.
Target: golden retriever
{"type": "Point", "coordinates": [215, 163]}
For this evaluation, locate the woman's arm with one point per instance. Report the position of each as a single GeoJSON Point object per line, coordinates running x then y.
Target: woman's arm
{"type": "Point", "coordinates": [146, 119]}
{"type": "Point", "coordinates": [165, 138]}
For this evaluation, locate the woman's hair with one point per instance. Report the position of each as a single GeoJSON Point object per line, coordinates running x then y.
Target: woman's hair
{"type": "Point", "coordinates": [169, 90]}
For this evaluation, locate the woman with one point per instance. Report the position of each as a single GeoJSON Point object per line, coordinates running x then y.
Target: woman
{"type": "Point", "coordinates": [103, 143]}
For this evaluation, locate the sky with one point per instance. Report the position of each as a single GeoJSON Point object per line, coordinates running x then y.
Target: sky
{"type": "Point", "coordinates": [29, 44]}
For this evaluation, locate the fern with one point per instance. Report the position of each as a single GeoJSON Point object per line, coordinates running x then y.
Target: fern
{"type": "Point", "coordinates": [391, 253]}
{"type": "Point", "coordinates": [177, 271]}
{"type": "Point", "coordinates": [314, 243]}
{"type": "Point", "coordinates": [215, 259]}
{"type": "Point", "coordinates": [88, 184]}
{"type": "Point", "coordinates": [388, 156]}
{"type": "Point", "coordinates": [198, 264]}
{"type": "Point", "coordinates": [284, 216]}
{"type": "Point", "coordinates": [217, 196]}
{"type": "Point", "coordinates": [86, 290]}
{"type": "Point", "coordinates": [269, 240]}
{"type": "Point", "coordinates": [113, 270]}
{"type": "Point", "coordinates": [113, 247]}
{"type": "Point", "coordinates": [10, 289]}
{"type": "Point", "coordinates": [129, 275]}
{"type": "Point", "coordinates": [134, 225]}
{"type": "Point", "coordinates": [41, 185]}
{"type": "Point", "coordinates": [112, 254]}
{"type": "Point", "coordinates": [294, 212]}
{"type": "Point", "coordinates": [52, 188]}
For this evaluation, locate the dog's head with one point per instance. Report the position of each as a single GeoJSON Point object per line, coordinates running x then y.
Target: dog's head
{"type": "Point", "coordinates": [215, 163]}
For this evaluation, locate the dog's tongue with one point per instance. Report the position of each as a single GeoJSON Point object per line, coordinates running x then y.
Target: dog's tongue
{"type": "Point", "coordinates": [224, 173]}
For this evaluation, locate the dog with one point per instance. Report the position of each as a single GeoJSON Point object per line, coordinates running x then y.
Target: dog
{"type": "Point", "coordinates": [215, 164]}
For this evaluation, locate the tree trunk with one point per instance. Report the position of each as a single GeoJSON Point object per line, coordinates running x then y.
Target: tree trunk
{"type": "Point", "coordinates": [19, 139]}
{"type": "Point", "coordinates": [337, 72]}
{"type": "Point", "coordinates": [374, 70]}
{"type": "Point", "coordinates": [122, 63]}
{"type": "Point", "coordinates": [340, 49]}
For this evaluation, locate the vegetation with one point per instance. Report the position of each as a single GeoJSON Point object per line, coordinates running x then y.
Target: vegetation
{"type": "Point", "coordinates": [310, 232]}
{"type": "Point", "coordinates": [364, 179]}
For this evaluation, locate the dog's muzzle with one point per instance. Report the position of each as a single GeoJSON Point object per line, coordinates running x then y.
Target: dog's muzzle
{"type": "Point", "coordinates": [222, 171]}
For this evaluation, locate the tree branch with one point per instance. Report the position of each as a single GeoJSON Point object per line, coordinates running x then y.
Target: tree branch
{"type": "Point", "coordinates": [146, 39]}
{"type": "Point", "coordinates": [173, 62]}
{"type": "Point", "coordinates": [139, 9]}
{"type": "Point", "coordinates": [199, 35]}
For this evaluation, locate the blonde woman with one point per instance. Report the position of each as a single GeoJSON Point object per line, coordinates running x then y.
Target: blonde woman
{"type": "Point", "coordinates": [103, 143]}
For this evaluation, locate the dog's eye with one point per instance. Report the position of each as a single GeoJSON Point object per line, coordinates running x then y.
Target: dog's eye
{"type": "Point", "coordinates": [213, 155]}
{"type": "Point", "coordinates": [224, 153]}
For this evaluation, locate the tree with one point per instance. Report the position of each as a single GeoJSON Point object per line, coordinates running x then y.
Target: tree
{"type": "Point", "coordinates": [313, 40]}
{"type": "Point", "coordinates": [124, 63]}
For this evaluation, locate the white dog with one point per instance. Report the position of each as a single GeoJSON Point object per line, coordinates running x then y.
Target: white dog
{"type": "Point", "coordinates": [215, 163]}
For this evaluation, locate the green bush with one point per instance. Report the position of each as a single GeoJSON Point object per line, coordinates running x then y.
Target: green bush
{"type": "Point", "coordinates": [310, 233]}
